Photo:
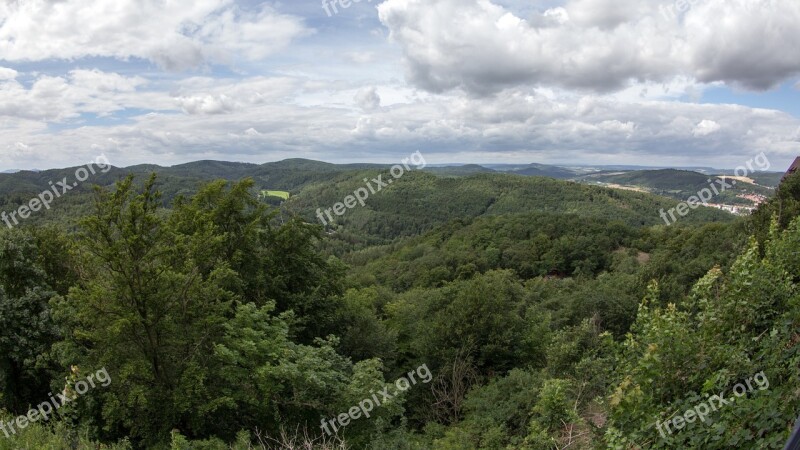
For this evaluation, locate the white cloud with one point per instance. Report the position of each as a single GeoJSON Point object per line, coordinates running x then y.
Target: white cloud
{"type": "Point", "coordinates": [105, 81]}
{"type": "Point", "coordinates": [368, 99]}
{"type": "Point", "coordinates": [600, 45]}
{"type": "Point", "coordinates": [522, 125]}
{"type": "Point", "coordinates": [605, 14]}
{"type": "Point", "coordinates": [207, 104]}
{"type": "Point", "coordinates": [175, 35]}
{"type": "Point", "coordinates": [360, 57]}
{"type": "Point", "coordinates": [7, 74]}
{"type": "Point", "coordinates": [219, 96]}
{"type": "Point", "coordinates": [706, 127]}
{"type": "Point", "coordinates": [56, 99]}
{"type": "Point", "coordinates": [253, 36]}
{"type": "Point", "coordinates": [44, 100]}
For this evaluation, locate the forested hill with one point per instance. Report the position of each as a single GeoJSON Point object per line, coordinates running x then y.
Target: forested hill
{"type": "Point", "coordinates": [415, 203]}
{"type": "Point", "coordinates": [681, 184]}
{"type": "Point", "coordinates": [289, 175]}
{"type": "Point", "coordinates": [535, 314]}
{"type": "Point", "coordinates": [419, 201]}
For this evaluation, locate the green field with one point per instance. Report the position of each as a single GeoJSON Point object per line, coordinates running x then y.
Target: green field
{"type": "Point", "coordinates": [280, 194]}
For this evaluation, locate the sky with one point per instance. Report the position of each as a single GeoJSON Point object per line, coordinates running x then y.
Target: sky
{"type": "Point", "coordinates": [591, 82]}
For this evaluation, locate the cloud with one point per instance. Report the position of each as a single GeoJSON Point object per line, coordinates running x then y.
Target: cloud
{"type": "Point", "coordinates": [105, 81]}
{"type": "Point", "coordinates": [605, 14]}
{"type": "Point", "coordinates": [7, 74]}
{"type": "Point", "coordinates": [206, 104]}
{"type": "Point", "coordinates": [359, 57]}
{"type": "Point", "coordinates": [706, 127]}
{"type": "Point", "coordinates": [203, 95]}
{"type": "Point", "coordinates": [501, 80]}
{"type": "Point", "coordinates": [796, 135]}
{"type": "Point", "coordinates": [174, 35]}
{"type": "Point", "coordinates": [597, 45]}
{"type": "Point", "coordinates": [254, 36]}
{"type": "Point", "coordinates": [368, 99]}
{"type": "Point", "coordinates": [60, 98]}
{"type": "Point", "coordinates": [516, 125]}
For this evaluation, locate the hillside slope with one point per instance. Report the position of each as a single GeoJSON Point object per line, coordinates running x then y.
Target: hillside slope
{"type": "Point", "coordinates": [420, 201]}
{"type": "Point", "coordinates": [413, 204]}
{"type": "Point", "coordinates": [682, 184]}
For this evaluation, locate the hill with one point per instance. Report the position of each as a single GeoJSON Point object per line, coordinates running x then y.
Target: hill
{"type": "Point", "coordinates": [421, 201]}
{"type": "Point", "coordinates": [414, 204]}
{"type": "Point", "coordinates": [537, 170]}
{"type": "Point", "coordinates": [531, 305]}
{"type": "Point", "coordinates": [541, 170]}
{"type": "Point", "coordinates": [467, 169]}
{"type": "Point", "coordinates": [682, 184]}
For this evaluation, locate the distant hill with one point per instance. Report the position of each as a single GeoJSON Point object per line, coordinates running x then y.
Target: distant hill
{"type": "Point", "coordinates": [293, 174]}
{"type": "Point", "coordinates": [467, 169]}
{"type": "Point", "coordinates": [769, 179]}
{"type": "Point", "coordinates": [414, 204]}
{"type": "Point", "coordinates": [212, 169]}
{"type": "Point", "coordinates": [288, 175]}
{"type": "Point", "coordinates": [666, 180]}
{"type": "Point", "coordinates": [420, 201]}
{"type": "Point", "coordinates": [30, 182]}
{"type": "Point", "coordinates": [628, 168]}
{"type": "Point", "coordinates": [681, 184]}
{"type": "Point", "coordinates": [537, 170]}
{"type": "Point", "coordinates": [541, 170]}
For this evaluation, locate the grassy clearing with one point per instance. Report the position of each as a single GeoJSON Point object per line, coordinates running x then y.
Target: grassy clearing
{"type": "Point", "coordinates": [280, 194]}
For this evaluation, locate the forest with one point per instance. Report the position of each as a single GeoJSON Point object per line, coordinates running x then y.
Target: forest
{"type": "Point", "coordinates": [179, 309]}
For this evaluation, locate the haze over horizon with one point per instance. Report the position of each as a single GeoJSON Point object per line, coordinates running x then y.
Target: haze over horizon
{"type": "Point", "coordinates": [586, 82]}
{"type": "Point", "coordinates": [444, 164]}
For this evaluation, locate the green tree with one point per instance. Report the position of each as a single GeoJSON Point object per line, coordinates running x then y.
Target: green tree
{"type": "Point", "coordinates": [27, 329]}
{"type": "Point", "coordinates": [733, 325]}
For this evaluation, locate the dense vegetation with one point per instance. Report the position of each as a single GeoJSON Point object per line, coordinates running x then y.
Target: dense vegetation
{"type": "Point", "coordinates": [551, 314]}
